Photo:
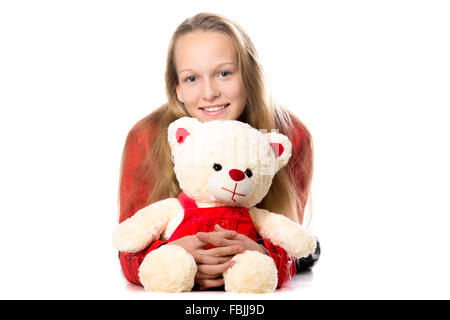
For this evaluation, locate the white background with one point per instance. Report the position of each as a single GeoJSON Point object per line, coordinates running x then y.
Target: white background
{"type": "Point", "coordinates": [371, 80]}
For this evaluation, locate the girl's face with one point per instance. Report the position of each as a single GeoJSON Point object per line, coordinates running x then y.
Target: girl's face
{"type": "Point", "coordinates": [209, 79]}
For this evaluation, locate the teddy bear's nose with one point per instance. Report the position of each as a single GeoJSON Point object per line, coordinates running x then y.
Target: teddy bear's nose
{"type": "Point", "coordinates": [237, 175]}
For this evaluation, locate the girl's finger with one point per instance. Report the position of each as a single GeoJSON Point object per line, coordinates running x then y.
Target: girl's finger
{"type": "Point", "coordinates": [225, 251]}
{"type": "Point", "coordinates": [214, 269]}
{"type": "Point", "coordinates": [204, 284]}
{"type": "Point", "coordinates": [218, 239]}
{"type": "Point", "coordinates": [219, 228]}
{"type": "Point", "coordinates": [225, 234]}
{"type": "Point", "coordinates": [235, 235]}
{"type": "Point", "coordinates": [201, 275]}
{"type": "Point", "coordinates": [208, 258]}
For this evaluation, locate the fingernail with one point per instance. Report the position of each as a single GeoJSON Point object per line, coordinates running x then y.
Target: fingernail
{"type": "Point", "coordinates": [232, 263]}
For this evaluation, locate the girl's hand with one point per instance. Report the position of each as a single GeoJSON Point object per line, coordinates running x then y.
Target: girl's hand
{"type": "Point", "coordinates": [237, 240]}
{"type": "Point", "coordinates": [211, 263]}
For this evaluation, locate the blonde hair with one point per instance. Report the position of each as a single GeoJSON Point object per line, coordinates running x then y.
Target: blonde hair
{"type": "Point", "coordinates": [260, 111]}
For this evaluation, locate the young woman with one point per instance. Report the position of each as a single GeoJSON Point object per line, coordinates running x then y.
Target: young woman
{"type": "Point", "coordinates": [213, 73]}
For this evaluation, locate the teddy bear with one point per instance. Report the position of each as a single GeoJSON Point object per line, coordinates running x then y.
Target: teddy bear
{"type": "Point", "coordinates": [224, 169]}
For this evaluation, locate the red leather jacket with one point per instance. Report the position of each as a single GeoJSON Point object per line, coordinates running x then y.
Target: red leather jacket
{"type": "Point", "coordinates": [134, 192]}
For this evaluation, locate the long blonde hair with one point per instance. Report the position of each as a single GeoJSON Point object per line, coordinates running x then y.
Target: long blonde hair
{"type": "Point", "coordinates": [260, 111]}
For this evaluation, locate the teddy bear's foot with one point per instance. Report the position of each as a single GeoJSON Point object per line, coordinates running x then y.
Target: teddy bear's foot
{"type": "Point", "coordinates": [169, 268]}
{"type": "Point", "coordinates": [253, 272]}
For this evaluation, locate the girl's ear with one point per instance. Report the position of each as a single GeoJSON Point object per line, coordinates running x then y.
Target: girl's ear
{"type": "Point", "coordinates": [282, 148]}
{"type": "Point", "coordinates": [180, 130]}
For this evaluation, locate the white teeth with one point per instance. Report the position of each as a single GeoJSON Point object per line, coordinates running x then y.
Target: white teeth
{"type": "Point", "coordinates": [215, 108]}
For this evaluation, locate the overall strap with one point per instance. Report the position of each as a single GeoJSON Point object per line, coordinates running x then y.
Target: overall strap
{"type": "Point", "coordinates": [186, 202]}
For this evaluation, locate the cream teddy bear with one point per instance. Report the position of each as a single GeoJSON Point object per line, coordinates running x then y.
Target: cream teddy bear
{"type": "Point", "coordinates": [224, 168]}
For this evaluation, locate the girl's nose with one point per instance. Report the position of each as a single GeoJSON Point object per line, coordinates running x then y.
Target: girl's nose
{"type": "Point", "coordinates": [236, 175]}
{"type": "Point", "coordinates": [209, 90]}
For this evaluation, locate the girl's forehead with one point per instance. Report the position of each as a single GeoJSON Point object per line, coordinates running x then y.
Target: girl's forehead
{"type": "Point", "coordinates": [202, 48]}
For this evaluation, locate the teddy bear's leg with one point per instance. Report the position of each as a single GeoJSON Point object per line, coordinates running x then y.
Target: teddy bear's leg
{"type": "Point", "coordinates": [169, 268]}
{"type": "Point", "coordinates": [253, 272]}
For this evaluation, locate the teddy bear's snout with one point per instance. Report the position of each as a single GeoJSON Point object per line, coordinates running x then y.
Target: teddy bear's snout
{"type": "Point", "coordinates": [236, 175]}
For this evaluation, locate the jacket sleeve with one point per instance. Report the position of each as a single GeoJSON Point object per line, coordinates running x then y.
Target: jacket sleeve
{"type": "Point", "coordinates": [133, 194]}
{"type": "Point", "coordinates": [300, 168]}
{"type": "Point", "coordinates": [283, 261]}
{"type": "Point", "coordinates": [130, 262]}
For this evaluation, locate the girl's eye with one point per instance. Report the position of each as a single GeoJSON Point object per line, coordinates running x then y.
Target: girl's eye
{"type": "Point", "coordinates": [190, 79]}
{"type": "Point", "coordinates": [224, 74]}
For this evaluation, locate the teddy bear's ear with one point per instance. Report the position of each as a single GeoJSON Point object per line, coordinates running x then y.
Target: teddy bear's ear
{"type": "Point", "coordinates": [281, 147]}
{"type": "Point", "coordinates": [181, 134]}
{"type": "Point", "coordinates": [179, 130]}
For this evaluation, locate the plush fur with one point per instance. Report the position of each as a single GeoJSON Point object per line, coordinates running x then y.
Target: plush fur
{"type": "Point", "coordinates": [179, 270]}
{"type": "Point", "coordinates": [196, 147]}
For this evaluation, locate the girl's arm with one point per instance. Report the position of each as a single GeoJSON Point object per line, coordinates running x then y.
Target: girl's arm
{"type": "Point", "coordinates": [285, 263]}
{"type": "Point", "coordinates": [133, 194]}
{"type": "Point", "coordinates": [300, 168]}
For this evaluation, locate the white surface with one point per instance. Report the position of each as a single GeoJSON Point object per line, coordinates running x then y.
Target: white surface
{"type": "Point", "coordinates": [370, 79]}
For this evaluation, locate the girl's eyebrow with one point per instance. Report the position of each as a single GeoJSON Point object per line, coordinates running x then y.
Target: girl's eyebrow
{"type": "Point", "coordinates": [217, 67]}
{"type": "Point", "coordinates": [224, 64]}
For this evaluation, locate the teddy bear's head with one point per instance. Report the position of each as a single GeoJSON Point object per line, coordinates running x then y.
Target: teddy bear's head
{"type": "Point", "coordinates": [226, 162]}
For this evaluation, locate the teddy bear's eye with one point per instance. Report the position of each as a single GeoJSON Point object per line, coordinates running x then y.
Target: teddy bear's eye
{"type": "Point", "coordinates": [217, 167]}
{"type": "Point", "coordinates": [248, 173]}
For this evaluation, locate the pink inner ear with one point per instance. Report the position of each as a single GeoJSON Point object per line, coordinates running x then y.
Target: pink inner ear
{"type": "Point", "coordinates": [181, 134]}
{"type": "Point", "coordinates": [277, 149]}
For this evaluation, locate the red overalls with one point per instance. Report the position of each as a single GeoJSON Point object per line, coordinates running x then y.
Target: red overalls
{"type": "Point", "coordinates": [204, 219]}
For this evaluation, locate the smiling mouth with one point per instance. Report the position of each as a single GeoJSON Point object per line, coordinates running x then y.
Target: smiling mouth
{"type": "Point", "coordinates": [215, 108]}
{"type": "Point", "coordinates": [234, 193]}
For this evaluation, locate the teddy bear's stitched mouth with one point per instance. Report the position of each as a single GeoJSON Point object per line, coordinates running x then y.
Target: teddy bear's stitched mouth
{"type": "Point", "coordinates": [234, 193]}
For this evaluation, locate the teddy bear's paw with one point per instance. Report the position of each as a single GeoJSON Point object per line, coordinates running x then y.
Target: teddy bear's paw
{"type": "Point", "coordinates": [306, 246]}
{"type": "Point", "coordinates": [129, 238]}
{"type": "Point", "coordinates": [169, 268]}
{"type": "Point", "coordinates": [253, 272]}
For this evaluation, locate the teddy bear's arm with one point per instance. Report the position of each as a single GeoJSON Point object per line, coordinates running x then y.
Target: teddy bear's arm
{"type": "Point", "coordinates": [292, 237]}
{"type": "Point", "coordinates": [145, 226]}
